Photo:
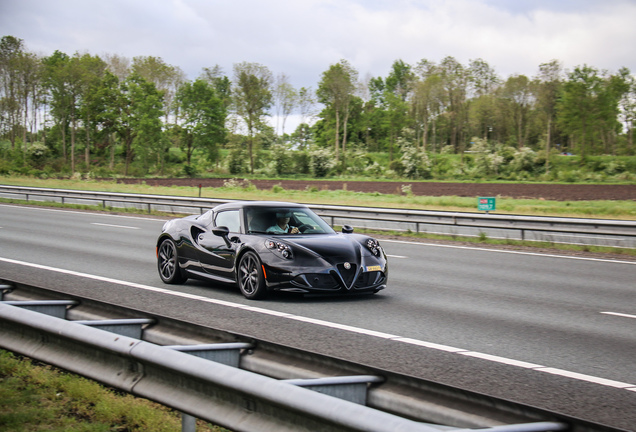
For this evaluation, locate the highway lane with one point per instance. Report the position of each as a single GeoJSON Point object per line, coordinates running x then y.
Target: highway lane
{"type": "Point", "coordinates": [545, 310]}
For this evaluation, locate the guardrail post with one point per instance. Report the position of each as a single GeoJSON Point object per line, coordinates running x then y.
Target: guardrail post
{"type": "Point", "coordinates": [4, 288]}
{"type": "Point", "coordinates": [188, 423]}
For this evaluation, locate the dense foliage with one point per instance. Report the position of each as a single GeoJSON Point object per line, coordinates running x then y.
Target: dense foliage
{"type": "Point", "coordinates": [109, 116]}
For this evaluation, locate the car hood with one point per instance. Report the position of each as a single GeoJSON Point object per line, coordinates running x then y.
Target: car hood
{"type": "Point", "coordinates": [332, 247]}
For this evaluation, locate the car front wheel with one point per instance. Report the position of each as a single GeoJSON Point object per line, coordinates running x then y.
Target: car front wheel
{"type": "Point", "coordinates": [168, 263]}
{"type": "Point", "coordinates": [251, 280]}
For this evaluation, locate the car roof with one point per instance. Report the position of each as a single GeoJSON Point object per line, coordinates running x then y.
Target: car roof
{"type": "Point", "coordinates": [257, 204]}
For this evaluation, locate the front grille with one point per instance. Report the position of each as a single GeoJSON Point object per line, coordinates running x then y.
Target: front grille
{"type": "Point", "coordinates": [321, 280]}
{"type": "Point", "coordinates": [369, 279]}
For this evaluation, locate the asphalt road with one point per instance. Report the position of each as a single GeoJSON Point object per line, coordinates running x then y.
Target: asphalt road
{"type": "Point", "coordinates": [550, 331]}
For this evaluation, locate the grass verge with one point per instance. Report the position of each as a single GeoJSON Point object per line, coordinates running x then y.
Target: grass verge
{"type": "Point", "coordinates": [37, 397]}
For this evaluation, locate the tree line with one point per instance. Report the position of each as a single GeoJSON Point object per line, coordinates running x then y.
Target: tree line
{"type": "Point", "coordinates": [141, 116]}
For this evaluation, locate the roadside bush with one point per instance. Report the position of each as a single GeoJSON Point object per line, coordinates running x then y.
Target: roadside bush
{"type": "Point", "coordinates": [190, 171]}
{"type": "Point", "coordinates": [375, 170]}
{"type": "Point", "coordinates": [301, 161]}
{"type": "Point", "coordinates": [357, 161]}
{"type": "Point", "coordinates": [322, 162]}
{"type": "Point", "coordinates": [524, 160]}
{"type": "Point", "coordinates": [236, 161]}
{"type": "Point", "coordinates": [37, 154]}
{"type": "Point", "coordinates": [281, 159]}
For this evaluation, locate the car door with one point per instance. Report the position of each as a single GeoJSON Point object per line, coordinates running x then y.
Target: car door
{"type": "Point", "coordinates": [217, 257]}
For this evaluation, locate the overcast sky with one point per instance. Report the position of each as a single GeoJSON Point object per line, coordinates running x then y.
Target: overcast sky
{"type": "Point", "coordinates": [301, 38]}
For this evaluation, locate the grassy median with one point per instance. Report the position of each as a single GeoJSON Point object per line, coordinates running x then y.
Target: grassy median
{"type": "Point", "coordinates": [606, 209]}
{"type": "Point", "coordinates": [37, 397]}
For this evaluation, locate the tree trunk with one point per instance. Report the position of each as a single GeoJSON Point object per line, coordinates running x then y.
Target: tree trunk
{"type": "Point", "coordinates": [547, 146]}
{"type": "Point", "coordinates": [87, 153]}
{"type": "Point", "coordinates": [73, 146]}
{"type": "Point", "coordinates": [111, 142]}
{"type": "Point", "coordinates": [337, 146]}
{"type": "Point", "coordinates": [344, 139]}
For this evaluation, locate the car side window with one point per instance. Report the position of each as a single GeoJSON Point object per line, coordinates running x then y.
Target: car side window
{"type": "Point", "coordinates": [229, 219]}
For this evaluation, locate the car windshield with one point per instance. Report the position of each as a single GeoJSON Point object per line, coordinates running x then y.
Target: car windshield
{"type": "Point", "coordinates": [282, 220]}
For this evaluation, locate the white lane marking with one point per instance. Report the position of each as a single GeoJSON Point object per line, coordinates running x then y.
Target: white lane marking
{"type": "Point", "coordinates": [431, 345]}
{"type": "Point", "coordinates": [115, 226]}
{"type": "Point", "coordinates": [588, 378]}
{"type": "Point", "coordinates": [619, 314]}
{"type": "Point", "coordinates": [390, 256]}
{"type": "Point", "coordinates": [504, 360]}
{"type": "Point", "coordinates": [510, 252]}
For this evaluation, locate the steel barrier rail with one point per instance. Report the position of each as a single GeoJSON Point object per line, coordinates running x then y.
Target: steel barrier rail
{"type": "Point", "coordinates": [617, 233]}
{"type": "Point", "coordinates": [234, 398]}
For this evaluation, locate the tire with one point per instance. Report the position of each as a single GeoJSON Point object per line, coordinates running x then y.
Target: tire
{"type": "Point", "coordinates": [250, 278]}
{"type": "Point", "coordinates": [168, 263]}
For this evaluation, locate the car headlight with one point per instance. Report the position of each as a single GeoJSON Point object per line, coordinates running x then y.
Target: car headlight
{"type": "Point", "coordinates": [374, 246]}
{"type": "Point", "coordinates": [280, 248]}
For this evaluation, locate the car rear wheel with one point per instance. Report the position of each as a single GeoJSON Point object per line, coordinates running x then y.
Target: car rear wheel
{"type": "Point", "coordinates": [251, 280]}
{"type": "Point", "coordinates": [168, 263]}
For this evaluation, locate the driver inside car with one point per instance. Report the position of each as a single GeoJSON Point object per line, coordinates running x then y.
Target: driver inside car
{"type": "Point", "coordinates": [282, 224]}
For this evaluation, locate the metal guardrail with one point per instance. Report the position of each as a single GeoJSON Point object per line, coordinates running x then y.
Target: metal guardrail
{"type": "Point", "coordinates": [598, 232]}
{"type": "Point", "coordinates": [219, 389]}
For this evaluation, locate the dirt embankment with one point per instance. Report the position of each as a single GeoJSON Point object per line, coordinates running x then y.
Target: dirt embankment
{"type": "Point", "coordinates": [556, 192]}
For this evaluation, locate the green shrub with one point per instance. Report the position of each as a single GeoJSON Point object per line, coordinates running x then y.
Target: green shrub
{"type": "Point", "coordinates": [322, 162]}
{"type": "Point", "coordinates": [189, 171]}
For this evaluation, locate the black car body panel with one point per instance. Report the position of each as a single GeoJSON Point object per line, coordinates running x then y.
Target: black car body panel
{"type": "Point", "coordinates": [315, 261]}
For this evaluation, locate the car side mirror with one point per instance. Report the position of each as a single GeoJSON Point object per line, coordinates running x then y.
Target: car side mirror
{"type": "Point", "coordinates": [222, 231]}
{"type": "Point", "coordinates": [347, 229]}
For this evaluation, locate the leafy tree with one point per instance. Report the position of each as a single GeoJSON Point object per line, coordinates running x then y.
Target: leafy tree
{"type": "Point", "coordinates": [72, 83]}
{"type": "Point", "coordinates": [118, 65]}
{"type": "Point", "coordinates": [547, 89]}
{"type": "Point", "coordinates": [285, 99]}
{"type": "Point", "coordinates": [108, 99]}
{"type": "Point", "coordinates": [93, 69]}
{"type": "Point", "coordinates": [137, 114]}
{"type": "Point", "coordinates": [221, 84]}
{"type": "Point", "coordinates": [588, 107]}
{"type": "Point", "coordinates": [516, 100]}
{"type": "Point", "coordinates": [252, 98]}
{"type": "Point", "coordinates": [628, 107]}
{"type": "Point", "coordinates": [15, 77]}
{"type": "Point", "coordinates": [336, 90]}
{"type": "Point", "coordinates": [306, 104]}
{"type": "Point", "coordinates": [203, 119]}
{"type": "Point", "coordinates": [483, 78]}
{"type": "Point", "coordinates": [166, 78]}
{"type": "Point", "coordinates": [391, 95]}
{"type": "Point", "coordinates": [426, 105]}
{"type": "Point", "coordinates": [63, 95]}
{"type": "Point", "coordinates": [455, 79]}
{"type": "Point", "coordinates": [483, 84]}
{"type": "Point", "coordinates": [400, 80]}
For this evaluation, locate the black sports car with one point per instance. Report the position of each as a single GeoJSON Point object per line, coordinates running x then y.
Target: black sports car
{"type": "Point", "coordinates": [270, 246]}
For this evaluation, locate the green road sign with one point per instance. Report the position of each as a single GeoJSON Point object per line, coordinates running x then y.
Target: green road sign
{"type": "Point", "coordinates": [486, 204]}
